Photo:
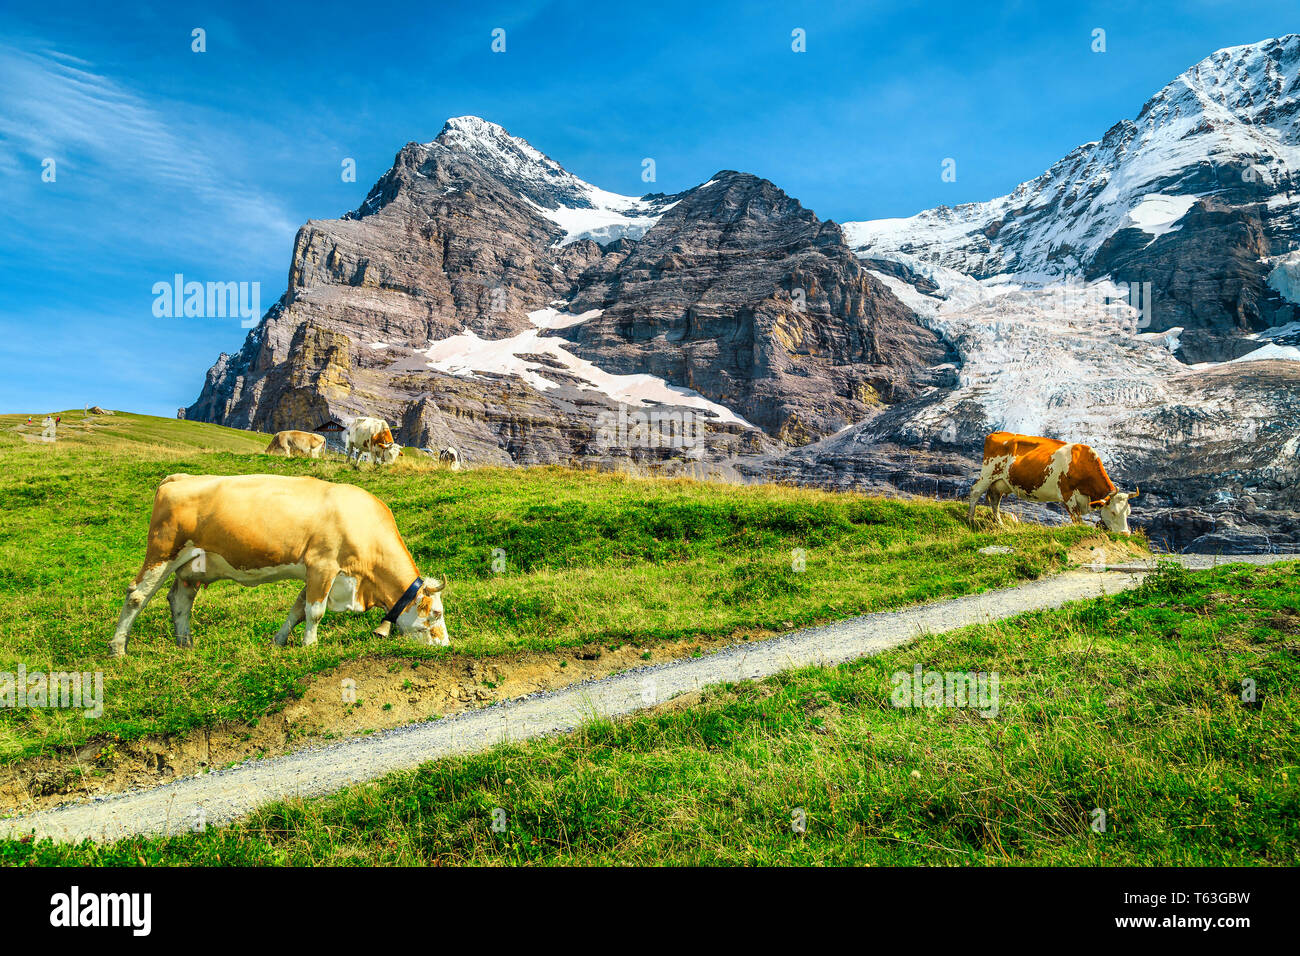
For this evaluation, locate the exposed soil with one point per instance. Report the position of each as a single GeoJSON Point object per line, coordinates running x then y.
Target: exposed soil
{"type": "Point", "coordinates": [1103, 550]}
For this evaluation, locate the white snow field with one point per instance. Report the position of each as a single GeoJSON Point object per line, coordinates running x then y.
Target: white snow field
{"type": "Point", "coordinates": [467, 354]}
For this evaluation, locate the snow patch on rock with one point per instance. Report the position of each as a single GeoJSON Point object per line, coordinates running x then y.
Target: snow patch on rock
{"type": "Point", "coordinates": [582, 210]}
{"type": "Point", "coordinates": [1271, 351]}
{"type": "Point", "coordinates": [1157, 214]}
{"type": "Point", "coordinates": [1285, 277]}
{"type": "Point", "coordinates": [468, 355]}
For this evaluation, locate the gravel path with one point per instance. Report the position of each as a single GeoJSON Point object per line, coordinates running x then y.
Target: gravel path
{"type": "Point", "coordinates": [222, 796]}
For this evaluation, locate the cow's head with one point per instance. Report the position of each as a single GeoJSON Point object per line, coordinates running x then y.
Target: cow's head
{"type": "Point", "coordinates": [1114, 510]}
{"type": "Point", "coordinates": [423, 617]}
{"type": "Point", "coordinates": [388, 454]}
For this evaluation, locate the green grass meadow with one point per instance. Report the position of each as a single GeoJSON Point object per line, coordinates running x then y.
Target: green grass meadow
{"type": "Point", "coordinates": [583, 557]}
{"type": "Point", "coordinates": [1130, 705]}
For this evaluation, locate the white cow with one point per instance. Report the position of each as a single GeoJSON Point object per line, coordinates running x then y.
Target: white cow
{"type": "Point", "coordinates": [370, 436]}
{"type": "Point", "coordinates": [449, 456]}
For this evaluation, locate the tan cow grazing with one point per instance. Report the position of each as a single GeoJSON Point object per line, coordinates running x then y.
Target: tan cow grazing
{"type": "Point", "coordinates": [340, 540]}
{"type": "Point", "coordinates": [290, 443]}
{"type": "Point", "coordinates": [1044, 469]}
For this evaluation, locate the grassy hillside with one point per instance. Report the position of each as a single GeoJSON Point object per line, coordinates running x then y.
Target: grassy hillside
{"type": "Point", "coordinates": [583, 558]}
{"type": "Point", "coordinates": [1130, 705]}
{"type": "Point", "coordinates": [126, 433]}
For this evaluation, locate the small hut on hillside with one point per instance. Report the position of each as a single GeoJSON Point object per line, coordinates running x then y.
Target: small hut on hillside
{"type": "Point", "coordinates": [333, 432]}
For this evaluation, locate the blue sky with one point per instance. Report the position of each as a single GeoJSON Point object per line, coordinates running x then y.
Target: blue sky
{"type": "Point", "coordinates": [169, 161]}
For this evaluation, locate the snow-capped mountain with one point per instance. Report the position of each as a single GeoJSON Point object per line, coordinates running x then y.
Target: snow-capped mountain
{"type": "Point", "coordinates": [582, 210]}
{"type": "Point", "coordinates": [1208, 173]}
{"type": "Point", "coordinates": [1229, 128]}
{"type": "Point", "coordinates": [1138, 296]}
{"type": "Point", "coordinates": [484, 296]}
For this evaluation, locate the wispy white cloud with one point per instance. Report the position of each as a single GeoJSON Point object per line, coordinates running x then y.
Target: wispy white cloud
{"type": "Point", "coordinates": [130, 162]}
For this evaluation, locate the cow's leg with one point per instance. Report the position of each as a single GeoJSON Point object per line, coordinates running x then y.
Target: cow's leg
{"type": "Point", "coordinates": [296, 615]}
{"type": "Point", "coordinates": [315, 595]}
{"type": "Point", "coordinates": [181, 598]}
{"type": "Point", "coordinates": [995, 500]}
{"type": "Point", "coordinates": [138, 594]}
{"type": "Point", "coordinates": [981, 485]}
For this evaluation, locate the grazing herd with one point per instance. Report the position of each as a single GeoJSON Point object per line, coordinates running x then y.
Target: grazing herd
{"type": "Point", "coordinates": [344, 545]}
{"type": "Point", "coordinates": [363, 439]}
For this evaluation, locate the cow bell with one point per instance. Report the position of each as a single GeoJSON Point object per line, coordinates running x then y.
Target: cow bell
{"type": "Point", "coordinates": [384, 628]}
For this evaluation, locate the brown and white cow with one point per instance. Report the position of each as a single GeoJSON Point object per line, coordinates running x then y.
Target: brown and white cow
{"type": "Point", "coordinates": [340, 540]}
{"type": "Point", "coordinates": [1044, 469]}
{"type": "Point", "coordinates": [290, 443]}
{"type": "Point", "coordinates": [370, 436]}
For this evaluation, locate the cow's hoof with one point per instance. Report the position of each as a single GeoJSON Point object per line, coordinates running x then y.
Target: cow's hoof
{"type": "Point", "coordinates": [279, 639]}
{"type": "Point", "coordinates": [117, 650]}
{"type": "Point", "coordinates": [186, 641]}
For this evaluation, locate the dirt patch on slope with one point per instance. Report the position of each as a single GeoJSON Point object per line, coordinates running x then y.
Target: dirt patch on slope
{"type": "Point", "coordinates": [358, 697]}
{"type": "Point", "coordinates": [1103, 550]}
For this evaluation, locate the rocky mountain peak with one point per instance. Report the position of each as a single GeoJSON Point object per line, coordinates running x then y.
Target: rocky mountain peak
{"type": "Point", "coordinates": [514, 162]}
{"type": "Point", "coordinates": [1136, 204]}
{"type": "Point", "coordinates": [1248, 83]}
{"type": "Point", "coordinates": [485, 292]}
{"type": "Point", "coordinates": [735, 209]}
{"type": "Point", "coordinates": [485, 297]}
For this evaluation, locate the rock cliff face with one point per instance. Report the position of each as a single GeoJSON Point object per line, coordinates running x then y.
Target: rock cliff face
{"type": "Point", "coordinates": [744, 295]}
{"type": "Point", "coordinates": [467, 300]}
